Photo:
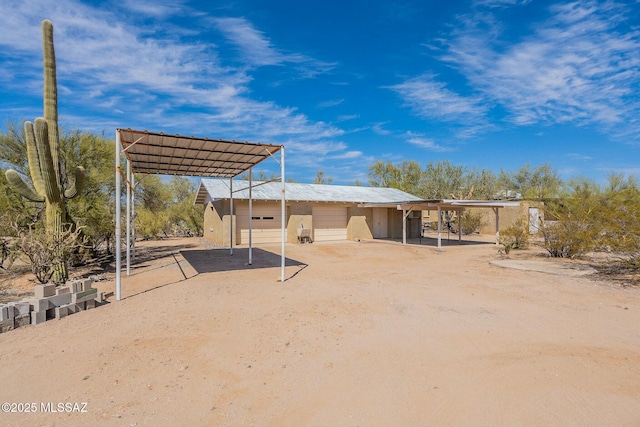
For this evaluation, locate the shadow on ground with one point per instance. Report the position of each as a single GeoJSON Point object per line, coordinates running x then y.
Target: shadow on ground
{"type": "Point", "coordinates": [452, 241]}
{"type": "Point", "coordinates": [214, 260]}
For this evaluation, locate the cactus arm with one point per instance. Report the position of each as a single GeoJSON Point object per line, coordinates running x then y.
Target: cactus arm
{"type": "Point", "coordinates": [51, 93]}
{"type": "Point", "coordinates": [77, 185]}
{"type": "Point", "coordinates": [33, 158]}
{"type": "Point", "coordinates": [49, 178]}
{"type": "Point", "coordinates": [21, 187]}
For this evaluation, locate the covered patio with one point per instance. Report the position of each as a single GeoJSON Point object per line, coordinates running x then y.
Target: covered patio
{"type": "Point", "coordinates": [163, 154]}
{"type": "Point", "coordinates": [444, 205]}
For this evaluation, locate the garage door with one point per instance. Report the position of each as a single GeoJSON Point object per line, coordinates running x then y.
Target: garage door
{"type": "Point", "coordinates": [329, 223]}
{"type": "Point", "coordinates": [266, 224]}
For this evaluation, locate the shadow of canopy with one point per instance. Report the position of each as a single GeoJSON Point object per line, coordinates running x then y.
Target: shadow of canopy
{"type": "Point", "coordinates": [215, 260]}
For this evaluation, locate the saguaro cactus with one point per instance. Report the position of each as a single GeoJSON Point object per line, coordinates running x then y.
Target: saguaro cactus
{"type": "Point", "coordinates": [42, 140]}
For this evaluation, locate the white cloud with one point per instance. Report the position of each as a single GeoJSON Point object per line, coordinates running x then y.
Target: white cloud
{"type": "Point", "coordinates": [425, 143]}
{"type": "Point", "coordinates": [432, 100]}
{"type": "Point", "coordinates": [257, 50]}
{"type": "Point", "coordinates": [379, 129]}
{"type": "Point", "coordinates": [330, 103]}
{"type": "Point", "coordinates": [115, 72]}
{"type": "Point", "coordinates": [578, 66]}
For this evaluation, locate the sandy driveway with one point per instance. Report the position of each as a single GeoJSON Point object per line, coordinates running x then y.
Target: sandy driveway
{"type": "Point", "coordinates": [361, 334]}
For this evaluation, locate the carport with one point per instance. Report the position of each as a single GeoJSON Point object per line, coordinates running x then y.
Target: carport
{"type": "Point", "coordinates": [163, 154]}
{"type": "Point", "coordinates": [441, 205]}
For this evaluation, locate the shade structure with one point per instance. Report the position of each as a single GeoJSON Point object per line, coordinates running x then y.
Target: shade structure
{"type": "Point", "coordinates": [445, 205]}
{"type": "Point", "coordinates": [166, 154]}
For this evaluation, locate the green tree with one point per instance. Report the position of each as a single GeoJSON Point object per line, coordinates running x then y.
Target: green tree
{"type": "Point", "coordinates": [543, 182]}
{"type": "Point", "coordinates": [444, 180]}
{"type": "Point", "coordinates": [321, 178]}
{"type": "Point", "coordinates": [406, 176]}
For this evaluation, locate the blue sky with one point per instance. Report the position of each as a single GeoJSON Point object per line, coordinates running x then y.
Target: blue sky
{"type": "Point", "coordinates": [488, 83]}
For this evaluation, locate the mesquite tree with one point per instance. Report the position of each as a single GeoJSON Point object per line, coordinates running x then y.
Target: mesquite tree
{"type": "Point", "coordinates": [42, 139]}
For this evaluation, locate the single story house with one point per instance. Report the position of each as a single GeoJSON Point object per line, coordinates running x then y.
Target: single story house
{"type": "Point", "coordinates": [331, 212]}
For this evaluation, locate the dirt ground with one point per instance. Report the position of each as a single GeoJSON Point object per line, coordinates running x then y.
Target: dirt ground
{"type": "Point", "coordinates": [368, 333]}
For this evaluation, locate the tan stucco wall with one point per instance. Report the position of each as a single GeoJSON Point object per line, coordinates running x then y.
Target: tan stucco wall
{"type": "Point", "coordinates": [359, 224]}
{"type": "Point", "coordinates": [359, 220]}
{"type": "Point", "coordinates": [508, 216]}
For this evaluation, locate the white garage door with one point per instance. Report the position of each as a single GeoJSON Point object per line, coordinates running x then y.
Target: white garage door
{"type": "Point", "coordinates": [329, 223]}
{"type": "Point", "coordinates": [266, 224]}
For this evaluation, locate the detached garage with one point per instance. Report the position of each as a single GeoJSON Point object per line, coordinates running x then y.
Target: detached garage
{"type": "Point", "coordinates": [332, 212]}
{"type": "Point", "coordinates": [329, 223]}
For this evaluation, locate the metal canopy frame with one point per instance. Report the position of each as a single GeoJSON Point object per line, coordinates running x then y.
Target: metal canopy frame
{"type": "Point", "coordinates": [444, 205]}
{"type": "Point", "coordinates": [165, 154]}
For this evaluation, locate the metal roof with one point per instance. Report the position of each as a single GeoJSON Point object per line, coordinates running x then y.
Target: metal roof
{"type": "Point", "coordinates": [215, 189]}
{"type": "Point", "coordinates": [159, 153]}
{"type": "Point", "coordinates": [446, 204]}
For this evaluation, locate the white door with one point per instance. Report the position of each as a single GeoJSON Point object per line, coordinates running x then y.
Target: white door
{"type": "Point", "coordinates": [534, 220]}
{"type": "Point", "coordinates": [380, 220]}
{"type": "Point", "coordinates": [329, 223]}
{"type": "Point", "coordinates": [266, 224]}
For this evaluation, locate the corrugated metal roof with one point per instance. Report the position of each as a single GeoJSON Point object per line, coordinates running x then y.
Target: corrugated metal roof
{"type": "Point", "coordinates": [159, 153]}
{"type": "Point", "coordinates": [213, 189]}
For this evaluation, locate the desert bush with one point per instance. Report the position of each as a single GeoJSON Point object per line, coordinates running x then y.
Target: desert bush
{"type": "Point", "coordinates": [567, 239]}
{"type": "Point", "coordinates": [515, 236]}
{"type": "Point", "coordinates": [46, 251]}
{"type": "Point", "coordinates": [5, 250]}
{"type": "Point", "coordinates": [472, 222]}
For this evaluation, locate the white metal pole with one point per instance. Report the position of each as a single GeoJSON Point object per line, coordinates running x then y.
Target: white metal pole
{"type": "Point", "coordinates": [283, 221]}
{"type": "Point", "coordinates": [231, 217]}
{"type": "Point", "coordinates": [439, 227]}
{"type": "Point", "coordinates": [497, 210]}
{"type": "Point", "coordinates": [404, 227]}
{"type": "Point", "coordinates": [118, 231]}
{"type": "Point", "coordinates": [250, 215]}
{"type": "Point", "coordinates": [133, 216]}
{"type": "Point", "coordinates": [128, 239]}
{"type": "Point", "coordinates": [459, 226]}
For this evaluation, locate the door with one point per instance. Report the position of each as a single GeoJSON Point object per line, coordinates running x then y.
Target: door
{"type": "Point", "coordinates": [329, 223]}
{"type": "Point", "coordinates": [266, 224]}
{"type": "Point", "coordinates": [380, 223]}
{"type": "Point", "coordinates": [534, 220]}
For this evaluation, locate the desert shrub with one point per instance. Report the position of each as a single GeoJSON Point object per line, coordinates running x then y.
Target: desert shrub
{"type": "Point", "coordinates": [46, 251]}
{"type": "Point", "coordinates": [5, 250]}
{"type": "Point", "coordinates": [472, 222]}
{"type": "Point", "coordinates": [515, 236]}
{"type": "Point", "coordinates": [568, 238]}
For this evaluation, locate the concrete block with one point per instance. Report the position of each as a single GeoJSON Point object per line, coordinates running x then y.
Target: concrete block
{"type": "Point", "coordinates": [39, 304]}
{"type": "Point", "coordinates": [58, 300]}
{"type": "Point", "coordinates": [43, 291]}
{"type": "Point", "coordinates": [6, 325]}
{"type": "Point", "coordinates": [62, 311]}
{"type": "Point", "coordinates": [90, 304]}
{"type": "Point", "coordinates": [63, 290]}
{"type": "Point", "coordinates": [86, 284]}
{"type": "Point", "coordinates": [38, 317]}
{"type": "Point", "coordinates": [100, 297]}
{"type": "Point", "coordinates": [75, 308]}
{"type": "Point", "coordinates": [4, 313]}
{"type": "Point", "coordinates": [43, 304]}
{"type": "Point", "coordinates": [11, 310]}
{"type": "Point", "coordinates": [22, 320]}
{"type": "Point", "coordinates": [75, 286]}
{"type": "Point", "coordinates": [21, 307]}
{"type": "Point", "coordinates": [84, 296]}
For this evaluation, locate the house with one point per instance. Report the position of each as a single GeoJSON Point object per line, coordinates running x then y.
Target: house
{"type": "Point", "coordinates": [331, 212]}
